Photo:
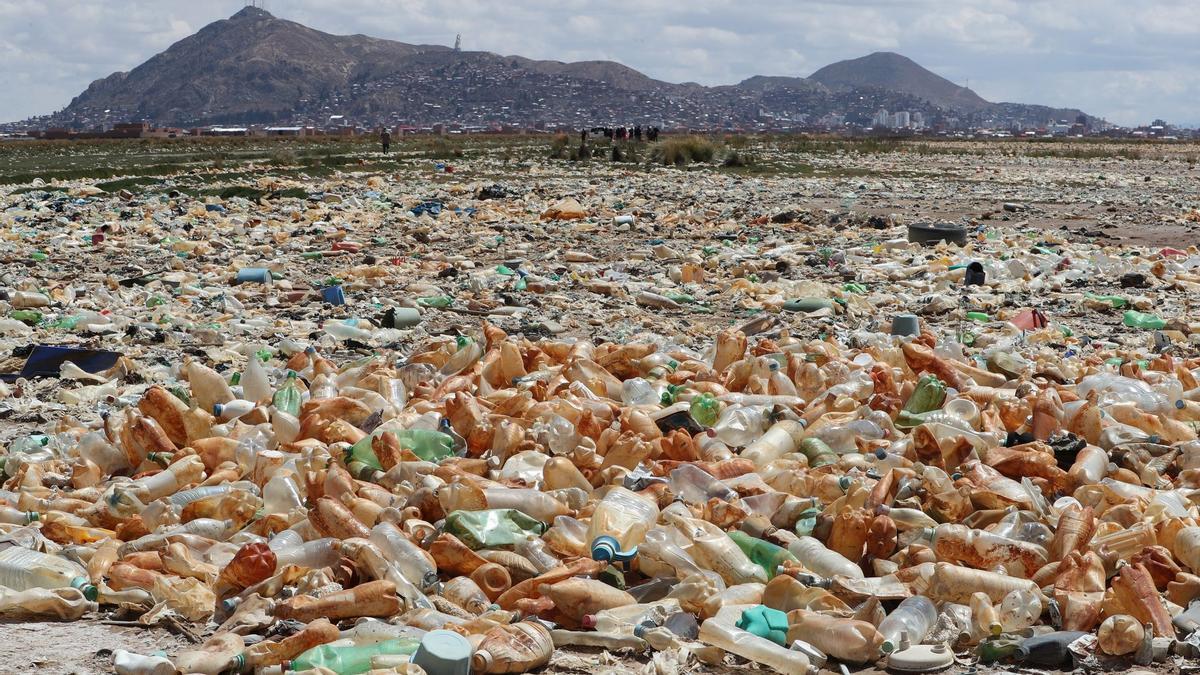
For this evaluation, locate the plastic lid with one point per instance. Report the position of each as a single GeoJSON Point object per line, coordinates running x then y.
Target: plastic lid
{"type": "Point", "coordinates": [921, 658]}
{"type": "Point", "coordinates": [89, 591]}
{"type": "Point", "coordinates": [444, 652]}
{"type": "Point", "coordinates": [607, 549]}
{"type": "Point", "coordinates": [588, 621]}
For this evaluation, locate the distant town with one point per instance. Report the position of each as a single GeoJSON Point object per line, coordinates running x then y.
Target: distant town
{"type": "Point", "coordinates": [884, 123]}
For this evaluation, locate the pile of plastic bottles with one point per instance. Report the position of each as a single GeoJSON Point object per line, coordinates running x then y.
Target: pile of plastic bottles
{"type": "Point", "coordinates": [486, 500]}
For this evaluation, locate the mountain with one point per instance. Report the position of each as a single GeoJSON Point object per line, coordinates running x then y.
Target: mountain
{"type": "Point", "coordinates": [256, 68]}
{"type": "Point", "coordinates": [887, 70]}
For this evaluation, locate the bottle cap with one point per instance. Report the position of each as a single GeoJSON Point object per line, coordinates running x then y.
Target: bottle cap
{"type": "Point", "coordinates": [444, 652]}
{"type": "Point", "coordinates": [217, 409]}
{"type": "Point", "coordinates": [588, 621]}
{"type": "Point", "coordinates": [605, 548]}
{"type": "Point", "coordinates": [90, 592]}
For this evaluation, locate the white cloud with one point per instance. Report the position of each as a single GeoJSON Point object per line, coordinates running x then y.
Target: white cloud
{"type": "Point", "coordinates": [1127, 61]}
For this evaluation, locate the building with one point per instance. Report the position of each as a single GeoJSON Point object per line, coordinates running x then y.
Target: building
{"type": "Point", "coordinates": [881, 119]}
{"type": "Point", "coordinates": [901, 120]}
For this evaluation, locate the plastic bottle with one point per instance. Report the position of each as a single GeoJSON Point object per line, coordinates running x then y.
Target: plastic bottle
{"type": "Point", "coordinates": [910, 622]}
{"type": "Point", "coordinates": [985, 619]}
{"type": "Point", "coordinates": [763, 553]}
{"type": "Point", "coordinates": [350, 659]}
{"type": "Point", "coordinates": [1142, 320]}
{"type": "Point", "coordinates": [738, 426]}
{"type": "Point", "coordinates": [1019, 610]}
{"type": "Point", "coordinates": [954, 583]}
{"type": "Point", "coordinates": [619, 523]}
{"type": "Point", "coordinates": [1049, 650]}
{"type": "Point", "coordinates": [720, 631]}
{"type": "Point", "coordinates": [715, 550]}
{"type": "Point", "coordinates": [820, 560]}
{"type": "Point", "coordinates": [413, 561]}
{"type": "Point", "coordinates": [578, 597]}
{"type": "Point", "coordinates": [986, 550]}
{"type": "Point", "coordinates": [855, 642]}
{"type": "Point", "coordinates": [374, 598]}
{"type": "Point", "coordinates": [1187, 547]}
{"type": "Point", "coordinates": [208, 386]}
{"type": "Point", "coordinates": [696, 486]}
{"type": "Point", "coordinates": [128, 663]}
{"type": "Point", "coordinates": [516, 648]}
{"type": "Point", "coordinates": [22, 569]}
{"type": "Point", "coordinates": [287, 399]}
{"type": "Point", "coordinates": [1120, 634]}
{"type": "Point", "coordinates": [704, 410]}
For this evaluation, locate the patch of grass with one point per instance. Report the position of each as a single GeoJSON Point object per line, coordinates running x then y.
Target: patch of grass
{"type": "Point", "coordinates": [735, 159]}
{"type": "Point", "coordinates": [130, 184]}
{"type": "Point", "coordinates": [558, 146]}
{"type": "Point", "coordinates": [683, 150]}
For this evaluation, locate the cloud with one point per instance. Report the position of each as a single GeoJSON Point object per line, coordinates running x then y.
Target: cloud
{"type": "Point", "coordinates": [1126, 61]}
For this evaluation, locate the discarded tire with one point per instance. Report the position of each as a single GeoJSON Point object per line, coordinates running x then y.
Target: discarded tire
{"type": "Point", "coordinates": [932, 233]}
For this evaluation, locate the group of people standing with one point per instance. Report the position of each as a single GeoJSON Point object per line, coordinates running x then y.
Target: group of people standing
{"type": "Point", "coordinates": [635, 133]}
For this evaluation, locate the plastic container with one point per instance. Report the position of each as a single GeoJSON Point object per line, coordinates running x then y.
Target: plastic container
{"type": "Point", "coordinates": [720, 631]}
{"type": "Point", "coordinates": [22, 569]}
{"type": "Point", "coordinates": [908, 624]}
{"type": "Point", "coordinates": [444, 652]}
{"type": "Point", "coordinates": [619, 523]}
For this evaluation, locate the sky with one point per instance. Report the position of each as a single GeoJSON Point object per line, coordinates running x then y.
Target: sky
{"type": "Point", "coordinates": [1129, 62]}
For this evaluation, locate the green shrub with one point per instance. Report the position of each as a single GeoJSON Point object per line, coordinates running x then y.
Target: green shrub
{"type": "Point", "coordinates": [558, 146]}
{"type": "Point", "coordinates": [683, 150]}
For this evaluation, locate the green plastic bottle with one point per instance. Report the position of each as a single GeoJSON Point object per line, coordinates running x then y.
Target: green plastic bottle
{"type": "Point", "coordinates": [705, 409]}
{"type": "Point", "coordinates": [287, 399]}
{"type": "Point", "coordinates": [31, 317]}
{"type": "Point", "coordinates": [431, 446]}
{"type": "Point", "coordinates": [1135, 319]}
{"type": "Point", "coordinates": [929, 395]}
{"type": "Point", "coordinates": [351, 659]}
{"type": "Point", "coordinates": [441, 301]}
{"type": "Point", "coordinates": [997, 648]}
{"type": "Point", "coordinates": [818, 452]}
{"type": "Point", "coordinates": [492, 528]}
{"type": "Point", "coordinates": [763, 553]}
{"type": "Point", "coordinates": [1116, 301]}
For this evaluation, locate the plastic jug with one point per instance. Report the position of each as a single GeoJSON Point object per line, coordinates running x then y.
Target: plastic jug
{"type": "Point", "coordinates": [619, 523]}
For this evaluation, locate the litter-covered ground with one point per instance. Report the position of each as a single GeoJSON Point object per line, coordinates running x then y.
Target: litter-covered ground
{"type": "Point", "coordinates": [470, 407]}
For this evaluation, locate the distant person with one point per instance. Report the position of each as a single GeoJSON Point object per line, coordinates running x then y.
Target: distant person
{"type": "Point", "coordinates": [583, 137]}
{"type": "Point", "coordinates": [385, 139]}
{"type": "Point", "coordinates": [637, 133]}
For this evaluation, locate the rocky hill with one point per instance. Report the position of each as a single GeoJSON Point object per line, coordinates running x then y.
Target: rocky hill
{"type": "Point", "coordinates": [256, 68]}
{"type": "Point", "coordinates": [886, 70]}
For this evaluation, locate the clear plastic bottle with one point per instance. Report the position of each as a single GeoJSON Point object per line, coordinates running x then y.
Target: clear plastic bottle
{"type": "Point", "coordinates": [713, 549]}
{"type": "Point", "coordinates": [22, 569]}
{"type": "Point", "coordinates": [638, 391]}
{"type": "Point", "coordinates": [281, 494]}
{"type": "Point", "coordinates": [412, 561]}
{"type": "Point", "coordinates": [911, 621]}
{"type": "Point", "coordinates": [696, 486]}
{"type": "Point", "coordinates": [314, 554]}
{"type": "Point", "coordinates": [720, 631]}
{"type": "Point", "coordinates": [823, 562]}
{"type": "Point", "coordinates": [739, 426]}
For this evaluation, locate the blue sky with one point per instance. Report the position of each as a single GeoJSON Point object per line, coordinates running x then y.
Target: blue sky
{"type": "Point", "coordinates": [1126, 61]}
